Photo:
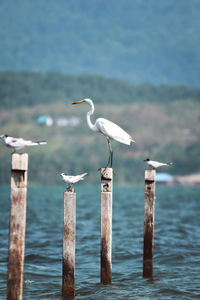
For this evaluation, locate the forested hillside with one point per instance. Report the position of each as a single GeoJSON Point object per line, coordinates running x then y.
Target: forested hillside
{"type": "Point", "coordinates": [155, 42]}
{"type": "Point", "coordinates": [29, 89]}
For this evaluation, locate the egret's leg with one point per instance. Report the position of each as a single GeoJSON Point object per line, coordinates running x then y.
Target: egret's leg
{"type": "Point", "coordinates": [110, 154]}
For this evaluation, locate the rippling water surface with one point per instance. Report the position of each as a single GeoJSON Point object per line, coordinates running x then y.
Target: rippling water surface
{"type": "Point", "coordinates": [176, 251]}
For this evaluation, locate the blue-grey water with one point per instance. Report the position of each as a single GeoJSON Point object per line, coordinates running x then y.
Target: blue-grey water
{"type": "Point", "coordinates": [176, 251]}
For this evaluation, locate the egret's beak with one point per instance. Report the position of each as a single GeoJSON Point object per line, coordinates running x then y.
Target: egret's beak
{"type": "Point", "coordinates": [78, 102]}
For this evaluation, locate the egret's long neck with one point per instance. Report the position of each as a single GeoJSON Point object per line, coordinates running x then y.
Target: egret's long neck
{"type": "Point", "coordinates": [89, 113]}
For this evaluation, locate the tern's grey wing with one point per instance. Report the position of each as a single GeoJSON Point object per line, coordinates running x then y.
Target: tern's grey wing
{"type": "Point", "coordinates": [14, 140]}
{"type": "Point", "coordinates": [70, 178]}
{"type": "Point", "coordinates": [84, 174]}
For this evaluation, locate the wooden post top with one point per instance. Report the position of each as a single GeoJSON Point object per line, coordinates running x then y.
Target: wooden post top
{"type": "Point", "coordinates": [69, 195]}
{"type": "Point", "coordinates": [19, 161]}
{"type": "Point", "coordinates": [150, 175]}
{"type": "Point", "coordinates": [107, 173]}
{"type": "Point", "coordinates": [106, 179]}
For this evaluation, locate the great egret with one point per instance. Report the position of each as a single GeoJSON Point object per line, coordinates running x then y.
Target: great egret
{"type": "Point", "coordinates": [109, 129]}
{"type": "Point", "coordinates": [157, 164]}
{"type": "Point", "coordinates": [19, 143]}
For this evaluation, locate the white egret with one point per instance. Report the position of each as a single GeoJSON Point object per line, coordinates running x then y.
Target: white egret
{"type": "Point", "coordinates": [109, 129]}
{"type": "Point", "coordinates": [18, 143]}
{"type": "Point", "coordinates": [156, 164]}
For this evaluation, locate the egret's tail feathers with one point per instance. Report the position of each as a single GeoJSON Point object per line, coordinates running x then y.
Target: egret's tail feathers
{"type": "Point", "coordinates": [170, 164]}
{"type": "Point", "coordinates": [126, 141]}
{"type": "Point", "coordinates": [132, 140]}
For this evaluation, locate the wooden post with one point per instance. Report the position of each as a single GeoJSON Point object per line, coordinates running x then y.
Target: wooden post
{"type": "Point", "coordinates": [149, 216]}
{"type": "Point", "coordinates": [69, 232]}
{"type": "Point", "coordinates": [106, 225]}
{"type": "Point", "coordinates": [19, 168]}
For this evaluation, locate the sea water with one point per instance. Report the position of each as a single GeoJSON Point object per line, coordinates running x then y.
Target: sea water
{"type": "Point", "coordinates": [176, 249]}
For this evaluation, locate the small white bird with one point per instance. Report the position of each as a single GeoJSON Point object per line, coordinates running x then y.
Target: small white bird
{"type": "Point", "coordinates": [156, 164]}
{"type": "Point", "coordinates": [109, 129]}
{"type": "Point", "coordinates": [70, 179]}
{"type": "Point", "coordinates": [18, 143]}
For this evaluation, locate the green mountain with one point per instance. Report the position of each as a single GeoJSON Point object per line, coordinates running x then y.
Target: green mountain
{"type": "Point", "coordinates": [31, 88]}
{"type": "Point", "coordinates": [154, 42]}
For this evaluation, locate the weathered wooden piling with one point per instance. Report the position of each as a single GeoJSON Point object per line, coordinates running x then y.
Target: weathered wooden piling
{"type": "Point", "coordinates": [149, 216]}
{"type": "Point", "coordinates": [69, 232]}
{"type": "Point", "coordinates": [19, 168]}
{"type": "Point", "coordinates": [106, 225]}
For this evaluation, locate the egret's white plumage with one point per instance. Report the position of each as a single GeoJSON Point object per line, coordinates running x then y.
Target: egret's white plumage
{"type": "Point", "coordinates": [70, 179]}
{"type": "Point", "coordinates": [113, 131]}
{"type": "Point", "coordinates": [109, 129]}
{"type": "Point", "coordinates": [156, 164]}
{"type": "Point", "coordinates": [19, 143]}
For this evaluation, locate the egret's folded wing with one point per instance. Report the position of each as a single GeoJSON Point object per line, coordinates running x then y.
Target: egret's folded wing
{"type": "Point", "coordinates": [113, 131]}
